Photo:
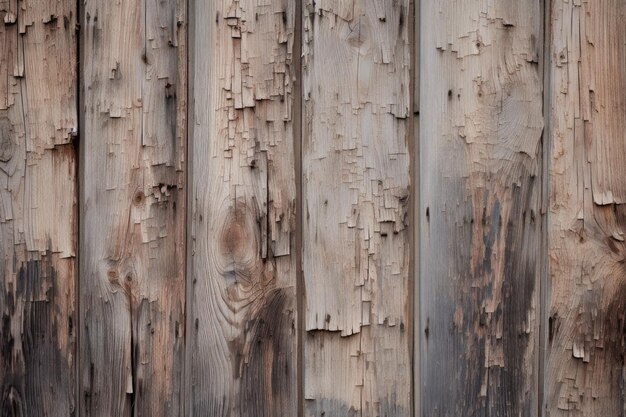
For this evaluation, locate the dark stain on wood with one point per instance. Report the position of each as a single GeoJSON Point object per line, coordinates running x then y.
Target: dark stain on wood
{"type": "Point", "coordinates": [614, 339]}
{"type": "Point", "coordinates": [520, 270]}
{"type": "Point", "coordinates": [35, 372]}
{"type": "Point", "coordinates": [267, 376]}
{"type": "Point", "coordinates": [12, 405]}
{"type": "Point", "coordinates": [7, 141]}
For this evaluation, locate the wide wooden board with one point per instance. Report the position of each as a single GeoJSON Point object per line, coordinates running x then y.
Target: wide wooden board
{"type": "Point", "coordinates": [356, 198]}
{"type": "Point", "coordinates": [38, 222]}
{"type": "Point", "coordinates": [132, 207]}
{"type": "Point", "coordinates": [241, 343]}
{"type": "Point", "coordinates": [480, 168]}
{"type": "Point", "coordinates": [585, 343]}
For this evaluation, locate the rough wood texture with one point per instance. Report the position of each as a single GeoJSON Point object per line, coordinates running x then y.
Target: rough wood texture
{"type": "Point", "coordinates": [356, 91]}
{"type": "Point", "coordinates": [310, 274]}
{"type": "Point", "coordinates": [132, 207]}
{"type": "Point", "coordinates": [480, 131]}
{"type": "Point", "coordinates": [38, 122]}
{"type": "Point", "coordinates": [241, 344]}
{"type": "Point", "coordinates": [587, 213]}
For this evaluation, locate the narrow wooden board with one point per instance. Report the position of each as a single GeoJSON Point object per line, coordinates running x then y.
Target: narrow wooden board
{"type": "Point", "coordinates": [38, 125]}
{"type": "Point", "coordinates": [356, 89]}
{"type": "Point", "coordinates": [480, 132]}
{"type": "Point", "coordinates": [587, 212]}
{"type": "Point", "coordinates": [241, 344]}
{"type": "Point", "coordinates": [132, 207]}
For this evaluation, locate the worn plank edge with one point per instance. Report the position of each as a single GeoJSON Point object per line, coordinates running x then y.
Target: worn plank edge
{"type": "Point", "coordinates": [544, 287]}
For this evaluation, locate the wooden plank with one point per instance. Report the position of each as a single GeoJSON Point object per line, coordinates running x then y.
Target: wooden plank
{"type": "Point", "coordinates": [241, 344]}
{"type": "Point", "coordinates": [38, 123]}
{"type": "Point", "coordinates": [480, 131]}
{"type": "Point", "coordinates": [587, 211]}
{"type": "Point", "coordinates": [132, 207]}
{"type": "Point", "coordinates": [356, 89]}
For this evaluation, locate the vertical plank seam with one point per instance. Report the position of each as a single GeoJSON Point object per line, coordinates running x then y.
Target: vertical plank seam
{"type": "Point", "coordinates": [187, 389]}
{"type": "Point", "coordinates": [544, 286]}
{"type": "Point", "coordinates": [186, 217]}
{"type": "Point", "coordinates": [412, 137]}
{"type": "Point", "coordinates": [79, 198]}
{"type": "Point", "coordinates": [297, 138]}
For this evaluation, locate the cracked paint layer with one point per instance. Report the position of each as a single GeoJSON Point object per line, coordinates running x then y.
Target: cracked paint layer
{"type": "Point", "coordinates": [356, 58]}
{"type": "Point", "coordinates": [586, 339]}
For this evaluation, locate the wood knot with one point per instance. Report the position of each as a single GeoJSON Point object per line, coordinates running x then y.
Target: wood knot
{"type": "Point", "coordinates": [234, 237]}
{"type": "Point", "coordinates": [113, 275]}
{"type": "Point", "coordinates": [239, 242]}
{"type": "Point", "coordinates": [139, 198]}
{"type": "Point", "coordinates": [129, 283]}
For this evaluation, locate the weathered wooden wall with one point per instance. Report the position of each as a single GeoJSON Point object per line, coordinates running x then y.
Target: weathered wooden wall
{"type": "Point", "coordinates": [318, 208]}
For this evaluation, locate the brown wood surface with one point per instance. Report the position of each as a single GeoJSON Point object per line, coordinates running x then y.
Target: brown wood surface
{"type": "Point", "coordinates": [241, 338]}
{"type": "Point", "coordinates": [586, 341]}
{"type": "Point", "coordinates": [356, 90]}
{"type": "Point", "coordinates": [369, 208]}
{"type": "Point", "coordinates": [132, 207]}
{"type": "Point", "coordinates": [481, 151]}
{"type": "Point", "coordinates": [38, 223]}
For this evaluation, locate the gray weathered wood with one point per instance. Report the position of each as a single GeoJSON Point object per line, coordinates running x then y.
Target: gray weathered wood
{"type": "Point", "coordinates": [38, 122]}
{"type": "Point", "coordinates": [356, 89]}
{"type": "Point", "coordinates": [514, 256]}
{"type": "Point", "coordinates": [585, 370]}
{"type": "Point", "coordinates": [480, 133]}
{"type": "Point", "coordinates": [132, 207]}
{"type": "Point", "coordinates": [241, 344]}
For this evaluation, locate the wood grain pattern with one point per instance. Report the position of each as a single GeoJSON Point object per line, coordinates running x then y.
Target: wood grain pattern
{"type": "Point", "coordinates": [587, 216]}
{"type": "Point", "coordinates": [132, 207]}
{"type": "Point", "coordinates": [373, 221]}
{"type": "Point", "coordinates": [38, 124]}
{"type": "Point", "coordinates": [480, 131]}
{"type": "Point", "coordinates": [356, 60]}
{"type": "Point", "coordinates": [241, 345]}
